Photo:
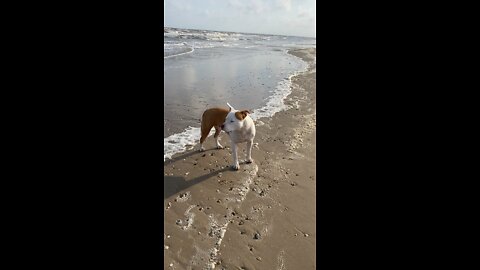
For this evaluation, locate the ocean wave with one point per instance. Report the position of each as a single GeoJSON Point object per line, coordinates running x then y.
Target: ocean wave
{"type": "Point", "coordinates": [175, 49]}
{"type": "Point", "coordinates": [202, 35]}
{"type": "Point", "coordinates": [190, 50]}
{"type": "Point", "coordinates": [180, 48]}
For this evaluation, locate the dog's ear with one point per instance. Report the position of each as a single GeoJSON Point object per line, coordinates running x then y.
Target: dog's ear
{"type": "Point", "coordinates": [230, 107]}
{"type": "Point", "coordinates": [241, 114]}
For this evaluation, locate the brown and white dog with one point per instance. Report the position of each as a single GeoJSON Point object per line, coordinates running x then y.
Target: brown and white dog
{"type": "Point", "coordinates": [240, 128]}
{"type": "Point", "coordinates": [237, 124]}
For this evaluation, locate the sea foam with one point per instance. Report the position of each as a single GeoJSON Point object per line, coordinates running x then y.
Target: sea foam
{"type": "Point", "coordinates": [275, 102]}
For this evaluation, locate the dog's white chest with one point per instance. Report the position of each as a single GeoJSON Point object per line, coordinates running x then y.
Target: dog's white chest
{"type": "Point", "coordinates": [246, 133]}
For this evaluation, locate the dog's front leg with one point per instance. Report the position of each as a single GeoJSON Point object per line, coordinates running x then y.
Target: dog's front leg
{"type": "Point", "coordinates": [235, 164]}
{"type": "Point", "coordinates": [249, 151]}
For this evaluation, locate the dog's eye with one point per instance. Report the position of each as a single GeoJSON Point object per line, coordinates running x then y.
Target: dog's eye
{"type": "Point", "coordinates": [231, 121]}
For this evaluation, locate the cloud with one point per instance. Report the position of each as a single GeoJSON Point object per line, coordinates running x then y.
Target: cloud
{"type": "Point", "coordinates": [306, 14]}
{"type": "Point", "coordinates": [179, 5]}
{"type": "Point", "coordinates": [285, 4]}
{"type": "Point", "coordinates": [248, 7]}
{"type": "Point", "coordinates": [260, 6]}
{"type": "Point", "coordinates": [254, 16]}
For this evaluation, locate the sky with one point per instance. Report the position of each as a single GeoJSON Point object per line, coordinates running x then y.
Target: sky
{"type": "Point", "coordinates": [277, 17]}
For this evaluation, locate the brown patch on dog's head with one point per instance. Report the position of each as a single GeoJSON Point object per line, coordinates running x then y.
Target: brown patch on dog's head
{"type": "Point", "coordinates": [241, 114]}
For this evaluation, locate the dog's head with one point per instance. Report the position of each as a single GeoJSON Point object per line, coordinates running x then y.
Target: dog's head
{"type": "Point", "coordinates": [234, 119]}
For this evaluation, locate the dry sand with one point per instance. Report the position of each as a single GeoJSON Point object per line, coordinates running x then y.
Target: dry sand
{"type": "Point", "coordinates": [260, 217]}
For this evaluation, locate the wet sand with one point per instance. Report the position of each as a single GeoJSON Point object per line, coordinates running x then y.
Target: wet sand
{"type": "Point", "coordinates": [260, 217]}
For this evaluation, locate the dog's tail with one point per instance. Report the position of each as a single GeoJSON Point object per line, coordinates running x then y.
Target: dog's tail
{"type": "Point", "coordinates": [231, 108]}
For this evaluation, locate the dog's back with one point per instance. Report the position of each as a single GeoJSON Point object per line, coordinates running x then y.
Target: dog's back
{"type": "Point", "coordinates": [214, 117]}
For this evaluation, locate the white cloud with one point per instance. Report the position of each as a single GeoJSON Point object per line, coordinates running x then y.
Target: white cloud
{"type": "Point", "coordinates": [251, 6]}
{"type": "Point", "coordinates": [285, 4]}
{"type": "Point", "coordinates": [256, 16]}
{"type": "Point", "coordinates": [179, 4]}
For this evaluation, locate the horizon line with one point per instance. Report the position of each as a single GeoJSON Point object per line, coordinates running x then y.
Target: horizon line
{"type": "Point", "coordinates": [237, 32]}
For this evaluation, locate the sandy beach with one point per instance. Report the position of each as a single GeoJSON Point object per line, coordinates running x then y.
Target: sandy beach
{"type": "Point", "coordinates": [260, 217]}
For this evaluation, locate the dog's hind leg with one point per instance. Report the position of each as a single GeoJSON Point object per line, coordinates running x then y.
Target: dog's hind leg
{"type": "Point", "coordinates": [217, 134]}
{"type": "Point", "coordinates": [204, 131]}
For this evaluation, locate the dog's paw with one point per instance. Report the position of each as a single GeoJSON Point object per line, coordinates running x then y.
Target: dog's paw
{"type": "Point", "coordinates": [235, 167]}
{"type": "Point", "coordinates": [248, 161]}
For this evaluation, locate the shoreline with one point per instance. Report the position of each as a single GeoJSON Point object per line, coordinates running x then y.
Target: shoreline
{"type": "Point", "coordinates": [260, 217]}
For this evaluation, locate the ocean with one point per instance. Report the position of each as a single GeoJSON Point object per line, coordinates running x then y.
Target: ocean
{"type": "Point", "coordinates": [204, 69]}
